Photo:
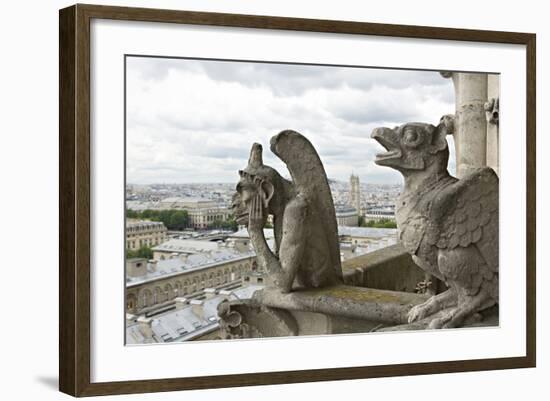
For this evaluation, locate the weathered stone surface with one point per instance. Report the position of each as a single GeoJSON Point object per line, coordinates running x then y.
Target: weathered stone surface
{"type": "Point", "coordinates": [306, 252]}
{"type": "Point", "coordinates": [328, 310]}
{"type": "Point", "coordinates": [390, 268]}
{"type": "Point", "coordinates": [449, 226]}
{"type": "Point", "coordinates": [493, 116]}
{"type": "Point", "coordinates": [382, 306]}
{"type": "Point", "coordinates": [250, 319]}
{"type": "Point", "coordinates": [492, 110]}
{"type": "Point", "coordinates": [470, 136]}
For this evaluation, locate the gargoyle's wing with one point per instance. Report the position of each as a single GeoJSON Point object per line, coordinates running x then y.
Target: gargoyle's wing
{"type": "Point", "coordinates": [466, 213]}
{"type": "Point", "coordinates": [310, 179]}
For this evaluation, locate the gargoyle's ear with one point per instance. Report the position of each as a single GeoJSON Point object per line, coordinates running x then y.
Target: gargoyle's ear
{"type": "Point", "coordinates": [446, 127]}
{"type": "Point", "coordinates": [266, 190]}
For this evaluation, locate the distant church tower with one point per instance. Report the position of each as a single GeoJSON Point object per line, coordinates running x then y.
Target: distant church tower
{"type": "Point", "coordinates": [355, 193]}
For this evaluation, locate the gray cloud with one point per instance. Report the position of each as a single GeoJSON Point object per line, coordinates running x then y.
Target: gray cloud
{"type": "Point", "coordinates": [287, 79]}
{"type": "Point", "coordinates": [194, 121]}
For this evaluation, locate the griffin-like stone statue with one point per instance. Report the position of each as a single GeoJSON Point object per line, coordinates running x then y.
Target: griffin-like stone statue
{"type": "Point", "coordinates": [449, 226]}
{"type": "Point", "coordinates": [306, 254]}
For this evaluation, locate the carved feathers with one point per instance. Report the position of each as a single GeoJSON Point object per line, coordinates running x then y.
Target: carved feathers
{"type": "Point", "coordinates": [466, 213]}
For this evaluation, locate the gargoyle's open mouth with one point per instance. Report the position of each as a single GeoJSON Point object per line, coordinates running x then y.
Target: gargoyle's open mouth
{"type": "Point", "coordinates": [242, 218]}
{"type": "Point", "coordinates": [392, 151]}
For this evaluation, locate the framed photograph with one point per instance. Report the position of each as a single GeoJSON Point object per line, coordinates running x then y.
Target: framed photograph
{"type": "Point", "coordinates": [249, 200]}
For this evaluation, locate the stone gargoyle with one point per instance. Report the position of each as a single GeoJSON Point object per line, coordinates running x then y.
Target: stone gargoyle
{"type": "Point", "coordinates": [306, 254]}
{"type": "Point", "coordinates": [449, 226]}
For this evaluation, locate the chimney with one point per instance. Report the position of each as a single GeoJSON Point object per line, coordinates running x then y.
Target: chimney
{"type": "Point", "coordinates": [210, 293]}
{"type": "Point", "coordinates": [241, 245]}
{"type": "Point", "coordinates": [153, 265]}
{"type": "Point", "coordinates": [136, 267]}
{"type": "Point", "coordinates": [183, 257]}
{"type": "Point", "coordinates": [181, 302]}
{"type": "Point", "coordinates": [225, 294]}
{"type": "Point", "coordinates": [197, 308]}
{"type": "Point", "coordinates": [145, 324]}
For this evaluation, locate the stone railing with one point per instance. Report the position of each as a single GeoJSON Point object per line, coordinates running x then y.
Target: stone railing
{"type": "Point", "coordinates": [329, 310]}
{"type": "Point", "coordinates": [390, 268]}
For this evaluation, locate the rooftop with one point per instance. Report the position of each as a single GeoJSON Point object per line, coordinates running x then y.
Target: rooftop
{"type": "Point", "coordinates": [243, 233]}
{"type": "Point", "coordinates": [184, 324]}
{"type": "Point", "coordinates": [186, 200]}
{"type": "Point", "coordinates": [143, 223]}
{"type": "Point", "coordinates": [175, 266]}
{"type": "Point", "coordinates": [367, 232]}
{"type": "Point", "coordinates": [189, 246]}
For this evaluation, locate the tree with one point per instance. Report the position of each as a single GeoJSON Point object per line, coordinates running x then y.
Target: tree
{"type": "Point", "coordinates": [172, 219]}
{"type": "Point", "coordinates": [229, 224]}
{"type": "Point", "coordinates": [382, 223]}
{"type": "Point", "coordinates": [178, 220]}
{"type": "Point", "coordinates": [143, 252]}
{"type": "Point", "coordinates": [146, 213]}
{"type": "Point", "coordinates": [232, 224]}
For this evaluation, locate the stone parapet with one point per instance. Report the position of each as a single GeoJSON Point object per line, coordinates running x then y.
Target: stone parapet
{"type": "Point", "coordinates": [382, 306]}
{"type": "Point", "coordinates": [390, 268]}
{"type": "Point", "coordinates": [330, 310]}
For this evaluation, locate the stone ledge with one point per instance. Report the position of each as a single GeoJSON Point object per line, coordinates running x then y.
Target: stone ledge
{"type": "Point", "coordinates": [375, 259]}
{"type": "Point", "coordinates": [381, 306]}
{"type": "Point", "coordinates": [390, 268]}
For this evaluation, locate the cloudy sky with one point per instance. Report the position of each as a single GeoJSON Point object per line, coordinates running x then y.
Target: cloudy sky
{"type": "Point", "coordinates": [195, 120]}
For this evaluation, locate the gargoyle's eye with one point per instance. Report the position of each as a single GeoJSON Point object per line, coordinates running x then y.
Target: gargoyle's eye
{"type": "Point", "coordinates": [411, 138]}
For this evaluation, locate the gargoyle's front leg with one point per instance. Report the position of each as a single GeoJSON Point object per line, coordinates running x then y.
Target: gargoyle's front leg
{"type": "Point", "coordinates": [433, 305]}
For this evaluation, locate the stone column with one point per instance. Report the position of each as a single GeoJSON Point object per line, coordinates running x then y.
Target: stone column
{"type": "Point", "coordinates": [492, 114]}
{"type": "Point", "coordinates": [471, 126]}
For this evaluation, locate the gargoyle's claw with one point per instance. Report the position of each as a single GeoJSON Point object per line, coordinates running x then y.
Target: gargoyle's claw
{"type": "Point", "coordinates": [419, 312]}
{"type": "Point", "coordinates": [414, 314]}
{"type": "Point", "coordinates": [441, 322]}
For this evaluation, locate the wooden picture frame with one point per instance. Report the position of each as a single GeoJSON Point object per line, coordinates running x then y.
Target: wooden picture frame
{"type": "Point", "coordinates": [75, 208]}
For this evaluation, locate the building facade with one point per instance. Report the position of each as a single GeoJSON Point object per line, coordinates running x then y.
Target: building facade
{"type": "Point", "coordinates": [380, 213]}
{"type": "Point", "coordinates": [201, 218]}
{"type": "Point", "coordinates": [144, 233]}
{"type": "Point", "coordinates": [355, 193]}
{"type": "Point", "coordinates": [153, 284]}
{"type": "Point", "coordinates": [347, 216]}
{"type": "Point", "coordinates": [202, 212]}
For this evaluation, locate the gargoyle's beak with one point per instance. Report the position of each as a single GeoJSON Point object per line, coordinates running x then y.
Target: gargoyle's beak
{"type": "Point", "coordinates": [380, 132]}
{"type": "Point", "coordinates": [388, 139]}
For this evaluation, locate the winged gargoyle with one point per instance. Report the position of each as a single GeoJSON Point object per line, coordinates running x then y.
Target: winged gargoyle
{"type": "Point", "coordinates": [449, 226]}
{"type": "Point", "coordinates": [306, 252]}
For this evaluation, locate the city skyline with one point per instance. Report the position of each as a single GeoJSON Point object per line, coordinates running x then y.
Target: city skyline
{"type": "Point", "coordinates": [193, 121]}
{"type": "Point", "coordinates": [233, 183]}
